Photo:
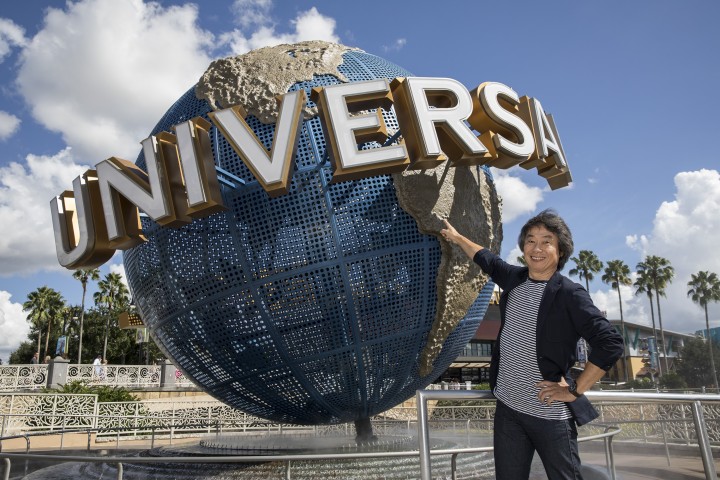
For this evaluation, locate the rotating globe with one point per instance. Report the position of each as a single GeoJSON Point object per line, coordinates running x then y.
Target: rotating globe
{"type": "Point", "coordinates": [328, 304]}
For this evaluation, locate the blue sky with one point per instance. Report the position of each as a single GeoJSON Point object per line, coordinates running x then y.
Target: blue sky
{"type": "Point", "coordinates": [631, 85]}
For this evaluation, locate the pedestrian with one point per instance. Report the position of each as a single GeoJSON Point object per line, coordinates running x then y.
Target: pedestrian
{"type": "Point", "coordinates": [543, 314]}
{"type": "Point", "coordinates": [35, 358]}
{"type": "Point", "coordinates": [97, 366]}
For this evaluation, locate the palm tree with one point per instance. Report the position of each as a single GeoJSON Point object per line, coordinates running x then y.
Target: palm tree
{"type": "Point", "coordinates": [112, 292]}
{"type": "Point", "coordinates": [660, 273]}
{"type": "Point", "coordinates": [521, 260]}
{"type": "Point", "coordinates": [704, 288]}
{"type": "Point", "coordinates": [587, 265]}
{"type": "Point", "coordinates": [617, 273]}
{"type": "Point", "coordinates": [44, 306]}
{"type": "Point", "coordinates": [84, 275]}
{"type": "Point", "coordinates": [643, 284]}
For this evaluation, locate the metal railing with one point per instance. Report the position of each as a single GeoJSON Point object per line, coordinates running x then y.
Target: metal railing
{"type": "Point", "coordinates": [289, 460]}
{"type": "Point", "coordinates": [35, 377]}
{"type": "Point", "coordinates": [16, 377]}
{"type": "Point", "coordinates": [695, 400]}
{"type": "Point", "coordinates": [661, 409]}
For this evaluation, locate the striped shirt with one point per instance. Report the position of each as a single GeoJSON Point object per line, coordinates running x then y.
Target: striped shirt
{"type": "Point", "coordinates": [518, 369]}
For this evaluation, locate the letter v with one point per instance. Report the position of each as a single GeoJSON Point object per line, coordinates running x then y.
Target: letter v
{"type": "Point", "coordinates": [273, 171]}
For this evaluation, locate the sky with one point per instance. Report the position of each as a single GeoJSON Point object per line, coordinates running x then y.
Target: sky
{"type": "Point", "coordinates": [631, 86]}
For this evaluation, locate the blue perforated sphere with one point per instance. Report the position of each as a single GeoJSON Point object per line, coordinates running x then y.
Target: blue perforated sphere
{"type": "Point", "coordinates": [309, 308]}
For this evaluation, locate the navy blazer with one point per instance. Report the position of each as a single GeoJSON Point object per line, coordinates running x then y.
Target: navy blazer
{"type": "Point", "coordinates": [566, 313]}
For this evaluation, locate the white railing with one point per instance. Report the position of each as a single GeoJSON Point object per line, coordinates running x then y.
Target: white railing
{"type": "Point", "coordinates": [18, 377]}
{"type": "Point", "coordinates": [116, 375]}
{"type": "Point", "coordinates": [26, 412]}
{"type": "Point", "coordinates": [181, 380]}
{"type": "Point", "coordinates": [157, 419]}
{"type": "Point", "coordinates": [14, 378]}
{"type": "Point", "coordinates": [674, 419]}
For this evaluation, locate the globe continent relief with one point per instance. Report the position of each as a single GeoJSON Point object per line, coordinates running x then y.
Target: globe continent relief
{"type": "Point", "coordinates": [333, 302]}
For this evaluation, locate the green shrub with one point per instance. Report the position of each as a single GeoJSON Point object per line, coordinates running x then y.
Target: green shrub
{"type": "Point", "coordinates": [672, 380]}
{"type": "Point", "coordinates": [639, 384]}
{"type": "Point", "coordinates": [105, 393]}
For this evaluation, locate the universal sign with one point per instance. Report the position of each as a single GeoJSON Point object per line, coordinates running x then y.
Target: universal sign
{"type": "Point", "coordinates": [438, 118]}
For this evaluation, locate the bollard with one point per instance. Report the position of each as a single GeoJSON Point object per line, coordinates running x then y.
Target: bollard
{"type": "Point", "coordinates": [167, 374]}
{"type": "Point", "coordinates": [57, 372]}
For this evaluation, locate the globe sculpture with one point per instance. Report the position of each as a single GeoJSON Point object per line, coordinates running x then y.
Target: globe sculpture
{"type": "Point", "coordinates": [327, 304]}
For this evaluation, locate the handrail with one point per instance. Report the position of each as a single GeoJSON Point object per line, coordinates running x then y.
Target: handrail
{"type": "Point", "coordinates": [120, 460]}
{"type": "Point", "coordinates": [423, 453]}
{"type": "Point", "coordinates": [422, 396]}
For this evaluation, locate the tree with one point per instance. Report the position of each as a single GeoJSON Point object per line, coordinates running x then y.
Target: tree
{"type": "Point", "coordinates": [617, 273]}
{"type": "Point", "coordinates": [643, 284]}
{"type": "Point", "coordinates": [112, 294]}
{"type": "Point", "coordinates": [660, 274]}
{"type": "Point", "coordinates": [44, 306]}
{"type": "Point", "coordinates": [587, 264]}
{"type": "Point", "coordinates": [521, 260]}
{"type": "Point", "coordinates": [23, 353]}
{"type": "Point", "coordinates": [84, 276]}
{"type": "Point", "coordinates": [694, 360]}
{"type": "Point", "coordinates": [705, 288]}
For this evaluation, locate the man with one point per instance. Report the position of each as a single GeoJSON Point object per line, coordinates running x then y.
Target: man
{"type": "Point", "coordinates": [35, 358]}
{"type": "Point", "coordinates": [97, 366]}
{"type": "Point", "coordinates": [543, 314]}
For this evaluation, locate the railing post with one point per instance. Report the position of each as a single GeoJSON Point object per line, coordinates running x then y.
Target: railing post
{"type": "Point", "coordinates": [423, 436]}
{"type": "Point", "coordinates": [703, 441]}
{"type": "Point", "coordinates": [167, 374]}
{"type": "Point", "coordinates": [609, 455]}
{"type": "Point", "coordinates": [57, 372]}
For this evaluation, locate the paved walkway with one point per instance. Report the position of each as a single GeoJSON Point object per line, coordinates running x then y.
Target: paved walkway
{"type": "Point", "coordinates": [631, 463]}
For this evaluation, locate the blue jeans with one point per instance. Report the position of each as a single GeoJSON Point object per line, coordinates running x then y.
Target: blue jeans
{"type": "Point", "coordinates": [518, 436]}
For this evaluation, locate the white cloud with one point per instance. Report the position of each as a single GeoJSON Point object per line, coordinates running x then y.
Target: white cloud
{"type": "Point", "coordinates": [518, 198]}
{"type": "Point", "coordinates": [635, 308]}
{"type": "Point", "coordinates": [11, 35]}
{"type": "Point", "coordinates": [13, 324]}
{"type": "Point", "coordinates": [102, 72]}
{"type": "Point", "coordinates": [252, 13]}
{"type": "Point", "coordinates": [685, 232]}
{"type": "Point", "coordinates": [25, 193]}
{"type": "Point", "coordinates": [512, 257]}
{"type": "Point", "coordinates": [397, 45]}
{"type": "Point", "coordinates": [8, 125]}
{"type": "Point", "coordinates": [308, 25]}
{"type": "Point", "coordinates": [119, 268]}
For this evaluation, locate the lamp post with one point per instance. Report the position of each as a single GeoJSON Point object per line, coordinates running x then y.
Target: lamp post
{"type": "Point", "coordinates": [75, 319]}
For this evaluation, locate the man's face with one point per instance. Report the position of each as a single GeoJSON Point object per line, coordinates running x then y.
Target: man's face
{"type": "Point", "coordinates": [541, 252]}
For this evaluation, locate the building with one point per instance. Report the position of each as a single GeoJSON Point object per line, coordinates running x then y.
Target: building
{"type": "Point", "coordinates": [472, 365]}
{"type": "Point", "coordinates": [640, 348]}
{"type": "Point", "coordinates": [714, 334]}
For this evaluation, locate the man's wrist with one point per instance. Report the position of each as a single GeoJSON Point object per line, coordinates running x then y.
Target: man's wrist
{"type": "Point", "coordinates": [573, 390]}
